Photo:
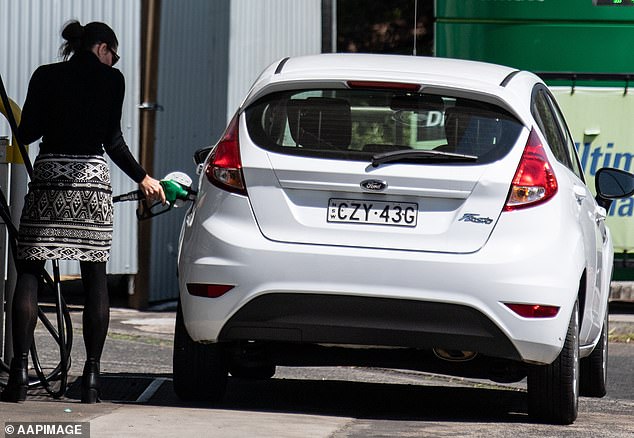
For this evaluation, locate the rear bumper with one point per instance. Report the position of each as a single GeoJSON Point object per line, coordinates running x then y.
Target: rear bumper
{"type": "Point", "coordinates": [340, 295]}
{"type": "Point", "coordinates": [337, 319]}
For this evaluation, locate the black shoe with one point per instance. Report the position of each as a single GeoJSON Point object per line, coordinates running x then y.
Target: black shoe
{"type": "Point", "coordinates": [90, 382]}
{"type": "Point", "coordinates": [15, 391]}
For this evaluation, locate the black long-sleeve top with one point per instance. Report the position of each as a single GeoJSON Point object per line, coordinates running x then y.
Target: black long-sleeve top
{"type": "Point", "coordinates": [75, 106]}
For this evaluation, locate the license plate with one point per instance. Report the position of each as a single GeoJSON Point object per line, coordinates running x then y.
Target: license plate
{"type": "Point", "coordinates": [372, 212]}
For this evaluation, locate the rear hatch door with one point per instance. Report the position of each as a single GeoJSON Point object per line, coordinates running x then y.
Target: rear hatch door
{"type": "Point", "coordinates": [378, 168]}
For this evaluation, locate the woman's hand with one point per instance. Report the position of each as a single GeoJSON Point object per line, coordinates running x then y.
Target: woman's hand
{"type": "Point", "coordinates": [152, 189]}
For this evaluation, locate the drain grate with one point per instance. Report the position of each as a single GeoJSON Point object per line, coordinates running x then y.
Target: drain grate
{"type": "Point", "coordinates": [115, 388]}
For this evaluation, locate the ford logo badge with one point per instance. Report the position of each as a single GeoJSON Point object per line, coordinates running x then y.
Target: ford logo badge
{"type": "Point", "coordinates": [374, 184]}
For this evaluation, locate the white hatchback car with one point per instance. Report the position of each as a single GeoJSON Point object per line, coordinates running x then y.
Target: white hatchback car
{"type": "Point", "coordinates": [397, 211]}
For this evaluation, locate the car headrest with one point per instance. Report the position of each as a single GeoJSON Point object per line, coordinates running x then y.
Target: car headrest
{"type": "Point", "coordinates": [457, 120]}
{"type": "Point", "coordinates": [320, 122]}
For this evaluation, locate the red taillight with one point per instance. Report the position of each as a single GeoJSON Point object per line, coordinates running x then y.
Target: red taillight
{"type": "Point", "coordinates": [534, 310]}
{"type": "Point", "coordinates": [534, 181]}
{"type": "Point", "coordinates": [384, 85]}
{"type": "Point", "coordinates": [208, 290]}
{"type": "Point", "coordinates": [224, 168]}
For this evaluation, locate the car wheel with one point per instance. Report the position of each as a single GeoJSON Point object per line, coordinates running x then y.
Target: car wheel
{"type": "Point", "coordinates": [553, 390]}
{"type": "Point", "coordinates": [261, 372]}
{"type": "Point", "coordinates": [594, 368]}
{"type": "Point", "coordinates": [199, 370]}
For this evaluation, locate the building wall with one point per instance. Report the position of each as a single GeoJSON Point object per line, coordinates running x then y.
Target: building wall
{"type": "Point", "coordinates": [210, 53]}
{"type": "Point", "coordinates": [30, 35]}
{"type": "Point", "coordinates": [192, 90]}
{"type": "Point", "coordinates": [545, 35]}
{"type": "Point", "coordinates": [264, 31]}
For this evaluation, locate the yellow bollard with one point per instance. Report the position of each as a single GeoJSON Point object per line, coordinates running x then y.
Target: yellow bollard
{"type": "Point", "coordinates": [13, 154]}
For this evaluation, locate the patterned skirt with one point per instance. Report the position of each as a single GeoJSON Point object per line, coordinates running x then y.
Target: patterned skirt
{"type": "Point", "coordinates": [68, 210]}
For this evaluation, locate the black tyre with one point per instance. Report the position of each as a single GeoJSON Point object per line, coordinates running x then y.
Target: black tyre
{"type": "Point", "coordinates": [594, 368]}
{"type": "Point", "coordinates": [200, 370]}
{"type": "Point", "coordinates": [260, 372]}
{"type": "Point", "coordinates": [553, 390]}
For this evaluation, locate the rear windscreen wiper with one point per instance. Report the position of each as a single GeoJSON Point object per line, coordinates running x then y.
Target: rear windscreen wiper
{"type": "Point", "coordinates": [419, 155]}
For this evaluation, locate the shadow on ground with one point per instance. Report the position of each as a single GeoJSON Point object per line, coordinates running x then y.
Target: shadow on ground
{"type": "Point", "coordinates": [363, 400]}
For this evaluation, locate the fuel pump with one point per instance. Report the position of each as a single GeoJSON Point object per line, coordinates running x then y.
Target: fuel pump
{"type": "Point", "coordinates": [14, 190]}
{"type": "Point", "coordinates": [4, 145]}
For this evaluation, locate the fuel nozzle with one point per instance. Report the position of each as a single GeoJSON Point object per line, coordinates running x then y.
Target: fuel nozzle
{"type": "Point", "coordinates": [174, 191]}
{"type": "Point", "coordinates": [177, 189]}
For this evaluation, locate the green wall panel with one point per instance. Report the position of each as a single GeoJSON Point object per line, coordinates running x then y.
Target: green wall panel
{"type": "Point", "coordinates": [580, 47]}
{"type": "Point", "coordinates": [565, 10]}
{"type": "Point", "coordinates": [538, 35]}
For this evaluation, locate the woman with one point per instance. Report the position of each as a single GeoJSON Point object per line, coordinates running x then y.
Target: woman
{"type": "Point", "coordinates": [75, 107]}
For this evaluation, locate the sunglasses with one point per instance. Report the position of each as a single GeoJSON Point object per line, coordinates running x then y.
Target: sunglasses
{"type": "Point", "coordinates": [115, 57]}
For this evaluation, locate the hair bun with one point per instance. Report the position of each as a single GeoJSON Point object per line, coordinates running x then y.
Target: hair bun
{"type": "Point", "coordinates": [82, 38]}
{"type": "Point", "coordinates": [73, 31]}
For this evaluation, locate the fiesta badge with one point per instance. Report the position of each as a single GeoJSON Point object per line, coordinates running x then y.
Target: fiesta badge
{"type": "Point", "coordinates": [374, 184]}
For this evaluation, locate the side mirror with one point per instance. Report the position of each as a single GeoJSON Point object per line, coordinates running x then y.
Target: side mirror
{"type": "Point", "coordinates": [613, 184]}
{"type": "Point", "coordinates": [201, 155]}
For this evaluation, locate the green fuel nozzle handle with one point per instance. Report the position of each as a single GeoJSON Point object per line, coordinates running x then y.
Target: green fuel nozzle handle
{"type": "Point", "coordinates": [173, 191]}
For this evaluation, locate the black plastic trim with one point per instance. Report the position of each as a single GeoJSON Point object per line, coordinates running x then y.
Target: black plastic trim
{"type": "Point", "coordinates": [343, 319]}
{"type": "Point", "coordinates": [280, 66]}
{"type": "Point", "coordinates": [508, 78]}
{"type": "Point", "coordinates": [574, 77]}
{"type": "Point", "coordinates": [578, 76]}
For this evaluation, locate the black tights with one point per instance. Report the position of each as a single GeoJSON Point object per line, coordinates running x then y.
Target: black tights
{"type": "Point", "coordinates": [96, 314]}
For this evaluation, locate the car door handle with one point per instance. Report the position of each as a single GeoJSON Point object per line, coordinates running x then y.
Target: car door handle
{"type": "Point", "coordinates": [580, 193]}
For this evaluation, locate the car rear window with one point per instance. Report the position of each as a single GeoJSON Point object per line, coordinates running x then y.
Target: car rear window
{"type": "Point", "coordinates": [357, 124]}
